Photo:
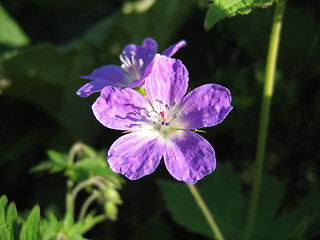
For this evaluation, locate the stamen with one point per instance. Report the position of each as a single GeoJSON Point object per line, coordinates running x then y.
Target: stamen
{"type": "Point", "coordinates": [159, 101]}
{"type": "Point", "coordinates": [140, 63]}
{"type": "Point", "coordinates": [130, 64]}
{"type": "Point", "coordinates": [164, 115]}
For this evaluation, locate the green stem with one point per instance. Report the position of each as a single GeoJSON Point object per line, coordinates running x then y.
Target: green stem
{"type": "Point", "coordinates": [213, 225]}
{"type": "Point", "coordinates": [264, 115]}
{"type": "Point", "coordinates": [69, 195]}
{"type": "Point", "coordinates": [69, 198]}
{"type": "Point", "coordinates": [86, 204]}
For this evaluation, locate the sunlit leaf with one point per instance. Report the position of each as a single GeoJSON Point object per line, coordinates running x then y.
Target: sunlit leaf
{"type": "Point", "coordinates": [3, 204]}
{"type": "Point", "coordinates": [219, 9]}
{"type": "Point", "coordinates": [31, 230]}
{"type": "Point", "coordinates": [11, 218]}
{"type": "Point", "coordinates": [10, 32]}
{"type": "Point", "coordinates": [51, 227]}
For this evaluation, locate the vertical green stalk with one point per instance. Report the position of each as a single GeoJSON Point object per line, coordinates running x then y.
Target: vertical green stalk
{"type": "Point", "coordinates": [69, 197]}
{"type": "Point", "coordinates": [213, 225]}
{"type": "Point", "coordinates": [264, 115]}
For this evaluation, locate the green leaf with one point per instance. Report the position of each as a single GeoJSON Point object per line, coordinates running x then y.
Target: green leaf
{"type": "Point", "coordinates": [268, 206]}
{"type": "Point", "coordinates": [219, 9]}
{"type": "Point", "coordinates": [51, 227]}
{"type": "Point", "coordinates": [220, 190]}
{"type": "Point", "coordinates": [3, 204]}
{"type": "Point", "coordinates": [4, 232]}
{"type": "Point", "coordinates": [57, 163]}
{"type": "Point", "coordinates": [59, 158]}
{"type": "Point", "coordinates": [303, 215]}
{"type": "Point", "coordinates": [31, 230]}
{"type": "Point", "coordinates": [10, 32]}
{"type": "Point", "coordinates": [12, 216]}
{"type": "Point", "coordinates": [43, 166]}
{"type": "Point", "coordinates": [86, 224]}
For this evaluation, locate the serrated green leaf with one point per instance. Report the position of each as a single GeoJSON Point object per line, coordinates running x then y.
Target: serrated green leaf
{"type": "Point", "coordinates": [219, 9]}
{"type": "Point", "coordinates": [31, 229]}
{"type": "Point", "coordinates": [57, 157]}
{"type": "Point", "coordinates": [4, 232]}
{"type": "Point", "coordinates": [43, 166]}
{"type": "Point", "coordinates": [10, 32]}
{"type": "Point", "coordinates": [51, 227]}
{"type": "Point", "coordinates": [85, 168]}
{"type": "Point", "coordinates": [85, 225]}
{"type": "Point", "coordinates": [11, 218]}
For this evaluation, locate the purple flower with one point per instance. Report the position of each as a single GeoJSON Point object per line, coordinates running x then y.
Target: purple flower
{"type": "Point", "coordinates": [135, 60]}
{"type": "Point", "coordinates": [161, 123]}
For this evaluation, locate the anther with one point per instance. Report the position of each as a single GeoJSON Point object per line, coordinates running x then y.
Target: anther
{"type": "Point", "coordinates": [132, 53]}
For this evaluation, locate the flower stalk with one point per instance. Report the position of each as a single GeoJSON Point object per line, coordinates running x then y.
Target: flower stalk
{"type": "Point", "coordinates": [264, 115]}
{"type": "Point", "coordinates": [206, 212]}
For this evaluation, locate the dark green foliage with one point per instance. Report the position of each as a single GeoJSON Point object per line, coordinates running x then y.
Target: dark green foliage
{"type": "Point", "coordinates": [224, 196]}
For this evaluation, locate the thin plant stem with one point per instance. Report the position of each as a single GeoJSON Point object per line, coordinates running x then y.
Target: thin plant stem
{"type": "Point", "coordinates": [69, 195]}
{"type": "Point", "coordinates": [70, 183]}
{"type": "Point", "coordinates": [264, 116]}
{"type": "Point", "coordinates": [87, 203]}
{"type": "Point", "coordinates": [95, 180]}
{"type": "Point", "coordinates": [213, 225]}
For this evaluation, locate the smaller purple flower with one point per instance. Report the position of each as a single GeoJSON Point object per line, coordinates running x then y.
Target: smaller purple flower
{"type": "Point", "coordinates": [161, 123]}
{"type": "Point", "coordinates": [135, 60]}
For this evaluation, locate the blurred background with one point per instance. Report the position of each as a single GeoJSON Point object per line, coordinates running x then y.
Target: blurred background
{"type": "Point", "coordinates": [45, 45]}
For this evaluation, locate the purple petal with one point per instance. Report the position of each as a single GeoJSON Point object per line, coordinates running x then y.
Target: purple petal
{"type": "Point", "coordinates": [135, 154]}
{"type": "Point", "coordinates": [167, 81]}
{"type": "Point", "coordinates": [189, 157]}
{"type": "Point", "coordinates": [121, 109]}
{"type": "Point", "coordinates": [170, 51]}
{"type": "Point", "coordinates": [145, 52]}
{"type": "Point", "coordinates": [109, 75]}
{"type": "Point", "coordinates": [205, 106]}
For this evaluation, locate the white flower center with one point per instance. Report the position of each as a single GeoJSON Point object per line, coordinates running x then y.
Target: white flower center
{"type": "Point", "coordinates": [163, 117]}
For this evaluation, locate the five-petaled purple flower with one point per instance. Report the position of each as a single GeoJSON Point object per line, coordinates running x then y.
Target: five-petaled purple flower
{"type": "Point", "coordinates": [135, 61]}
{"type": "Point", "coordinates": [161, 123]}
